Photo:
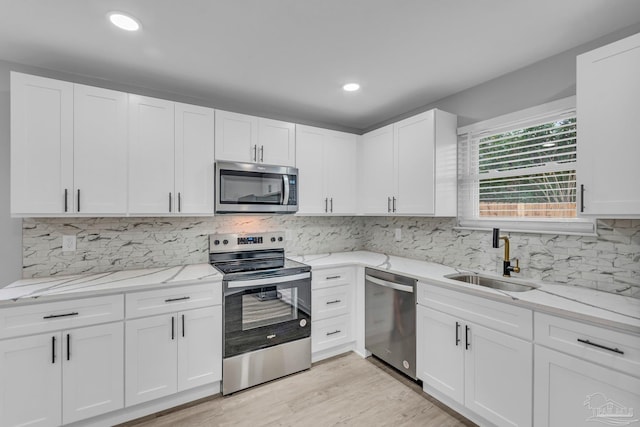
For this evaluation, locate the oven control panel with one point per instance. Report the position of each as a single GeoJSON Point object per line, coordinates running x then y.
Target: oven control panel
{"type": "Point", "coordinates": [239, 242]}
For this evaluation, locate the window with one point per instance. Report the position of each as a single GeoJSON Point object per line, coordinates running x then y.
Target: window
{"type": "Point", "coordinates": [518, 171]}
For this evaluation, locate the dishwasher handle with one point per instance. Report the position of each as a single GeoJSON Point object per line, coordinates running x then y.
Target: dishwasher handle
{"type": "Point", "coordinates": [387, 284]}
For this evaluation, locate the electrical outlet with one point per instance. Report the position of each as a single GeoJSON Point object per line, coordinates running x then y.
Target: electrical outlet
{"type": "Point", "coordinates": [69, 243]}
{"type": "Point", "coordinates": [398, 234]}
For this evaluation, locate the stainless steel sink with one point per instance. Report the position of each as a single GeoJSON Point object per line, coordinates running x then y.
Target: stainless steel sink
{"type": "Point", "coordinates": [491, 282]}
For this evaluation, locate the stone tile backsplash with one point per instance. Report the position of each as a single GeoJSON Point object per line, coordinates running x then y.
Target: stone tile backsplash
{"type": "Point", "coordinates": [609, 262]}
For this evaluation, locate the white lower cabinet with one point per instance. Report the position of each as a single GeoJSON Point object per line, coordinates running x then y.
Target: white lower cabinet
{"type": "Point", "coordinates": [61, 377]}
{"type": "Point", "coordinates": [484, 371]}
{"type": "Point", "coordinates": [172, 352]}
{"type": "Point", "coordinates": [333, 312]}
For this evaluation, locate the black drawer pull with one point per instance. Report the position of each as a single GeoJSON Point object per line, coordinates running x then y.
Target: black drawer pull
{"type": "Point", "coordinates": [177, 299]}
{"type": "Point", "coordinates": [54, 316]}
{"type": "Point", "coordinates": [333, 277]}
{"type": "Point", "coordinates": [337, 331]}
{"type": "Point", "coordinates": [335, 301]}
{"type": "Point", "coordinates": [615, 350]}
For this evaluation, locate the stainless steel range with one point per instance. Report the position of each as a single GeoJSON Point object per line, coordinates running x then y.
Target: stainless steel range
{"type": "Point", "coordinates": [266, 309]}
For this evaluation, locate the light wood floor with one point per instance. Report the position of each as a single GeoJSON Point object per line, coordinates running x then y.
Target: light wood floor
{"type": "Point", "coordinates": [346, 390]}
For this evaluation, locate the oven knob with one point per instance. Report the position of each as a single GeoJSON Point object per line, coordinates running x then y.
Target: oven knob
{"type": "Point", "coordinates": [273, 239]}
{"type": "Point", "coordinates": [216, 242]}
{"type": "Point", "coordinates": [279, 239]}
{"type": "Point", "coordinates": [303, 323]}
{"type": "Point", "coordinates": [225, 241]}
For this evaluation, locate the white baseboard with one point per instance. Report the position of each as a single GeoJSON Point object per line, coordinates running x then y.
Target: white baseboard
{"type": "Point", "coordinates": [335, 351]}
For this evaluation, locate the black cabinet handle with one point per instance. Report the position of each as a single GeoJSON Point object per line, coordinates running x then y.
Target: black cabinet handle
{"type": "Point", "coordinates": [262, 153]}
{"type": "Point", "coordinates": [53, 349]}
{"type": "Point", "coordinates": [394, 204]}
{"type": "Point", "coordinates": [68, 346]}
{"type": "Point", "coordinates": [332, 277]}
{"type": "Point", "coordinates": [326, 204]}
{"type": "Point", "coordinates": [255, 155]}
{"type": "Point", "coordinates": [615, 350]}
{"type": "Point", "coordinates": [466, 337]}
{"type": "Point", "coordinates": [581, 197]}
{"type": "Point", "coordinates": [457, 333]}
{"type": "Point", "coordinates": [177, 299]}
{"type": "Point", "coordinates": [331, 204]}
{"type": "Point", "coordinates": [335, 301]}
{"type": "Point", "coordinates": [173, 328]}
{"type": "Point", "coordinates": [66, 200]}
{"type": "Point", "coordinates": [54, 316]}
{"type": "Point", "coordinates": [388, 204]}
{"type": "Point", "coordinates": [78, 206]}
{"type": "Point", "coordinates": [169, 201]}
{"type": "Point", "coordinates": [337, 331]}
{"type": "Point", "coordinates": [179, 202]}
{"type": "Point", "coordinates": [183, 326]}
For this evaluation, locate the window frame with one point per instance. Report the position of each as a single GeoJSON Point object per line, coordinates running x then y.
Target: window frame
{"type": "Point", "coordinates": [468, 197]}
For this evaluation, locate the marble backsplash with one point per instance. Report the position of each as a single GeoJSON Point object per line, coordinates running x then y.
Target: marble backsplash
{"type": "Point", "coordinates": [609, 262]}
{"type": "Point", "coordinates": [110, 244]}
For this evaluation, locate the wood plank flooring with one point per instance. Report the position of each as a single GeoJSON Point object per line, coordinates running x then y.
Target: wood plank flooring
{"type": "Point", "coordinates": [343, 391]}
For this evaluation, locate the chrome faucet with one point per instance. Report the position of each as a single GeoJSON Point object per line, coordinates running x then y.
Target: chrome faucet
{"type": "Point", "coordinates": [506, 263]}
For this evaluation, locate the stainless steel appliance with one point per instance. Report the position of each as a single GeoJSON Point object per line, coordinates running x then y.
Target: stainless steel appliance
{"type": "Point", "coordinates": [390, 319]}
{"type": "Point", "coordinates": [266, 309]}
{"type": "Point", "coordinates": [255, 188]}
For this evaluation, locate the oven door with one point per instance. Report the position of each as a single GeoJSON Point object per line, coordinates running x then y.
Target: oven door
{"type": "Point", "coordinates": [263, 312]}
{"type": "Point", "coordinates": [253, 188]}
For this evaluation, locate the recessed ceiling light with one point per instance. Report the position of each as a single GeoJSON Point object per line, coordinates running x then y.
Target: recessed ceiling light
{"type": "Point", "coordinates": [549, 144]}
{"type": "Point", "coordinates": [351, 87]}
{"type": "Point", "coordinates": [124, 22]}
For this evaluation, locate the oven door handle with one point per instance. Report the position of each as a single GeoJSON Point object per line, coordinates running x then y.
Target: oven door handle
{"type": "Point", "coordinates": [285, 193]}
{"type": "Point", "coordinates": [252, 283]}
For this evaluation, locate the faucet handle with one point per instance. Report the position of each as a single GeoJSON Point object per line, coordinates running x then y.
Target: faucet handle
{"type": "Point", "coordinates": [516, 269]}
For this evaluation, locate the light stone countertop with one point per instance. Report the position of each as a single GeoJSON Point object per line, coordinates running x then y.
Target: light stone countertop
{"type": "Point", "coordinates": [574, 302]}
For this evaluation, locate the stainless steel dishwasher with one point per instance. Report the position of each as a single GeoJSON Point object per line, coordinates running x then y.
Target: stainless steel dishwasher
{"type": "Point", "coordinates": [390, 319]}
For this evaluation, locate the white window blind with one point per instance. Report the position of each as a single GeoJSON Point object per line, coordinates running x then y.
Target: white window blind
{"type": "Point", "coordinates": [518, 171]}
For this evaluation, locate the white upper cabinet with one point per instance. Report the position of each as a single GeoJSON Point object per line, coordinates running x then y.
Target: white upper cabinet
{"type": "Point", "coordinates": [194, 159]}
{"type": "Point", "coordinates": [409, 167]}
{"type": "Point", "coordinates": [236, 137]}
{"type": "Point", "coordinates": [41, 145]}
{"type": "Point", "coordinates": [608, 88]}
{"type": "Point", "coordinates": [151, 156]}
{"type": "Point", "coordinates": [375, 171]}
{"type": "Point", "coordinates": [243, 138]}
{"type": "Point", "coordinates": [100, 151]}
{"type": "Point", "coordinates": [327, 171]}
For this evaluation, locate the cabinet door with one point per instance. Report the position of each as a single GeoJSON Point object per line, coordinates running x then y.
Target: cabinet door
{"type": "Point", "coordinates": [236, 137]}
{"type": "Point", "coordinates": [151, 358]}
{"type": "Point", "coordinates": [41, 145]}
{"type": "Point", "coordinates": [340, 172]}
{"type": "Point", "coordinates": [572, 392]}
{"type": "Point", "coordinates": [199, 347]}
{"type": "Point", "coordinates": [31, 381]}
{"type": "Point", "coordinates": [194, 156]}
{"type": "Point", "coordinates": [414, 147]}
{"type": "Point", "coordinates": [151, 155]}
{"type": "Point", "coordinates": [608, 111]}
{"type": "Point", "coordinates": [499, 377]}
{"type": "Point", "coordinates": [276, 142]}
{"type": "Point", "coordinates": [100, 150]}
{"type": "Point", "coordinates": [375, 171]}
{"type": "Point", "coordinates": [440, 347]}
{"type": "Point", "coordinates": [310, 160]}
{"type": "Point", "coordinates": [93, 371]}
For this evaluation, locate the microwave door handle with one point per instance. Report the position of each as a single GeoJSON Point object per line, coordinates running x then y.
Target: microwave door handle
{"type": "Point", "coordinates": [285, 193]}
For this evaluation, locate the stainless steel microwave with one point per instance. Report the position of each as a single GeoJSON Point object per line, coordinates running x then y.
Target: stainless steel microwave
{"type": "Point", "coordinates": [255, 188]}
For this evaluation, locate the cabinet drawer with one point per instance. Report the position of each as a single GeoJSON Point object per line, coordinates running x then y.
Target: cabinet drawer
{"type": "Point", "coordinates": [331, 302]}
{"type": "Point", "coordinates": [330, 333]}
{"type": "Point", "coordinates": [506, 318]}
{"type": "Point", "coordinates": [38, 318]}
{"type": "Point", "coordinates": [332, 277]}
{"type": "Point", "coordinates": [160, 301]}
{"type": "Point", "coordinates": [613, 349]}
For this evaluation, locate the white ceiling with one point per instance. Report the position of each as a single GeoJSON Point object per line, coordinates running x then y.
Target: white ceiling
{"type": "Point", "coordinates": [289, 58]}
